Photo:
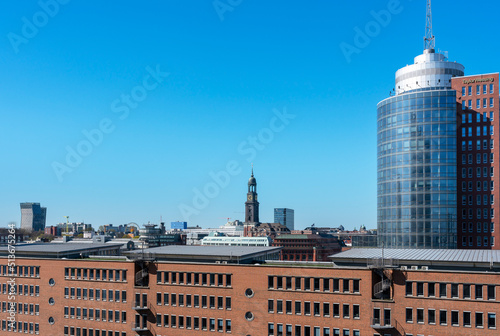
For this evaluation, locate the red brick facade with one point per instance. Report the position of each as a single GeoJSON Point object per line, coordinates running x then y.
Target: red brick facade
{"type": "Point", "coordinates": [478, 169]}
{"type": "Point", "coordinates": [192, 299]}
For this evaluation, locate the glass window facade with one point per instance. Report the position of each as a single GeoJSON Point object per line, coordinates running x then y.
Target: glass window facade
{"type": "Point", "coordinates": [417, 177]}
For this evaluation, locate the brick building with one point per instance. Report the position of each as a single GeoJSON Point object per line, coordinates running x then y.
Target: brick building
{"type": "Point", "coordinates": [181, 290]}
{"type": "Point", "coordinates": [478, 171]}
{"type": "Point", "coordinates": [307, 247]}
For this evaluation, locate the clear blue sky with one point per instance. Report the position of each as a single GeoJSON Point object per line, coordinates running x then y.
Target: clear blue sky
{"type": "Point", "coordinates": [230, 69]}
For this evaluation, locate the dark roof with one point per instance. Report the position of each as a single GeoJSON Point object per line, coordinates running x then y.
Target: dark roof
{"type": "Point", "coordinates": [208, 253]}
{"type": "Point", "coordinates": [58, 250]}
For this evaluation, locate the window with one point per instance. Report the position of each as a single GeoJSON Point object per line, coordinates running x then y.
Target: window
{"type": "Point", "coordinates": [442, 317]}
{"type": "Point", "coordinates": [298, 282]}
{"type": "Point", "coordinates": [442, 290]}
{"type": "Point", "coordinates": [478, 89]}
{"type": "Point", "coordinates": [470, 90]}
{"type": "Point", "coordinates": [409, 288]}
{"type": "Point", "coordinates": [409, 315]}
{"type": "Point", "coordinates": [479, 291]}
{"type": "Point", "coordinates": [454, 290]}
{"type": "Point", "coordinates": [466, 319]}
{"type": "Point", "coordinates": [420, 315]}
{"type": "Point", "coordinates": [316, 284]}
{"type": "Point", "coordinates": [307, 308]}
{"type": "Point", "coordinates": [298, 307]}
{"type": "Point", "coordinates": [492, 89]}
{"type": "Point", "coordinates": [491, 292]}
{"type": "Point", "coordinates": [336, 310]}
{"type": "Point", "coordinates": [492, 320]}
{"type": "Point", "coordinates": [463, 90]}
{"type": "Point", "coordinates": [431, 289]}
{"type": "Point", "coordinates": [336, 285]}
{"type": "Point", "coordinates": [420, 289]}
{"type": "Point", "coordinates": [279, 306]}
{"type": "Point", "coordinates": [326, 285]}
{"type": "Point", "coordinates": [454, 318]}
{"type": "Point", "coordinates": [326, 309]}
{"type": "Point", "coordinates": [478, 103]}
{"type": "Point", "coordinates": [315, 308]}
{"type": "Point", "coordinates": [288, 307]}
{"type": "Point", "coordinates": [346, 285]}
{"type": "Point", "coordinates": [307, 284]}
{"type": "Point", "coordinates": [345, 311]}
{"type": "Point", "coordinates": [466, 291]}
{"type": "Point", "coordinates": [270, 283]}
{"type": "Point", "coordinates": [492, 102]}
{"type": "Point", "coordinates": [479, 320]}
{"type": "Point", "coordinates": [355, 311]}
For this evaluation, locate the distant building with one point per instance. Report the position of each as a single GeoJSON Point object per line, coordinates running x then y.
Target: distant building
{"type": "Point", "coordinates": [33, 216]}
{"type": "Point", "coordinates": [236, 241]}
{"type": "Point", "coordinates": [178, 225]}
{"type": "Point", "coordinates": [253, 227]}
{"type": "Point", "coordinates": [6, 236]}
{"type": "Point", "coordinates": [285, 217]}
{"type": "Point", "coordinates": [153, 236]}
{"type": "Point", "coordinates": [53, 230]}
{"type": "Point", "coordinates": [307, 247]}
{"type": "Point", "coordinates": [73, 228]}
{"type": "Point", "coordinates": [270, 230]}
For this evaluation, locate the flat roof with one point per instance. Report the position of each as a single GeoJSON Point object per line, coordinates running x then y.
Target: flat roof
{"type": "Point", "coordinates": [421, 256]}
{"type": "Point", "coordinates": [204, 250]}
{"type": "Point", "coordinates": [57, 247]}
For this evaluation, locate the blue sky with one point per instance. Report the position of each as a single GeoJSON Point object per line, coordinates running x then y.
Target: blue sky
{"type": "Point", "coordinates": [78, 79]}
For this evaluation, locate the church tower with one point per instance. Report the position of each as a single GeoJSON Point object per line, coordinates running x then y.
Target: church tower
{"type": "Point", "coordinates": [252, 205]}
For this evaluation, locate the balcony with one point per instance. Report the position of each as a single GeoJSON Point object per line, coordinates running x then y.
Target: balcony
{"type": "Point", "coordinates": [387, 324]}
{"type": "Point", "coordinates": [139, 327]}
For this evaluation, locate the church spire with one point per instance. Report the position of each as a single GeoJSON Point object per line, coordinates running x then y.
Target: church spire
{"type": "Point", "coordinates": [252, 205]}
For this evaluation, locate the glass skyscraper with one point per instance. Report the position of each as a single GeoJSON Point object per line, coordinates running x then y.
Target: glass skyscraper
{"type": "Point", "coordinates": [285, 216]}
{"type": "Point", "coordinates": [33, 216]}
{"type": "Point", "coordinates": [417, 156]}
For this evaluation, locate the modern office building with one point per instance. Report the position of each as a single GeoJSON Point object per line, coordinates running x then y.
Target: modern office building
{"type": "Point", "coordinates": [438, 158]}
{"type": "Point", "coordinates": [417, 184]}
{"type": "Point", "coordinates": [33, 217]}
{"type": "Point", "coordinates": [285, 217]}
{"type": "Point", "coordinates": [70, 289]}
{"type": "Point", "coordinates": [478, 169]}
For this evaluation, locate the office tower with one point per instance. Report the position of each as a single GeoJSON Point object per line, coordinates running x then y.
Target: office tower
{"type": "Point", "coordinates": [285, 216]}
{"type": "Point", "coordinates": [478, 171]}
{"type": "Point", "coordinates": [33, 216]}
{"type": "Point", "coordinates": [416, 138]}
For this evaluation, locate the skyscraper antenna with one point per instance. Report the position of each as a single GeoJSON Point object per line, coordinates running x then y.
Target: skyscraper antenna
{"type": "Point", "coordinates": [429, 39]}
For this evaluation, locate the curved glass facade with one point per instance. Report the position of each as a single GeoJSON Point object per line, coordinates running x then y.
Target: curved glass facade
{"type": "Point", "coordinates": [417, 178]}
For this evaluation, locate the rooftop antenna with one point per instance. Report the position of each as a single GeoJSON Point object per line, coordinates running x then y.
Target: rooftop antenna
{"type": "Point", "coordinates": [429, 39]}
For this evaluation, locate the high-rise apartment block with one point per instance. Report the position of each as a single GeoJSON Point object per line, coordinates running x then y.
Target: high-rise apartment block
{"type": "Point", "coordinates": [285, 217]}
{"type": "Point", "coordinates": [33, 216]}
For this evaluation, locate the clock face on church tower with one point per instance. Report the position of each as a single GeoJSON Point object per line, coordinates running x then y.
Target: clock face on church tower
{"type": "Point", "coordinates": [249, 197]}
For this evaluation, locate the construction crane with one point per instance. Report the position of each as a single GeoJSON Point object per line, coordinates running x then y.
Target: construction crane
{"type": "Point", "coordinates": [67, 223]}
